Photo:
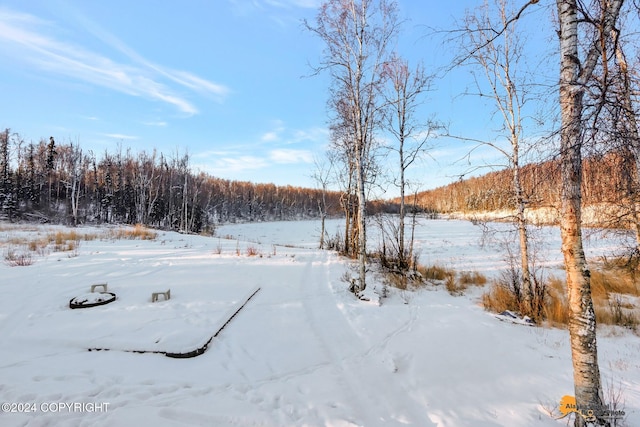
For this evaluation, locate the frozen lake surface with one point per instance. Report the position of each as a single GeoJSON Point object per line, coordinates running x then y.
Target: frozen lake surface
{"type": "Point", "coordinates": [457, 244]}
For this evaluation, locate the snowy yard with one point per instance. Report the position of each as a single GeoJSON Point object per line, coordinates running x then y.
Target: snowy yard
{"type": "Point", "coordinates": [302, 352]}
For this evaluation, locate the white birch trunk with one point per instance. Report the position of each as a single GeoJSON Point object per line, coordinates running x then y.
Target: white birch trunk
{"type": "Point", "coordinates": [582, 321]}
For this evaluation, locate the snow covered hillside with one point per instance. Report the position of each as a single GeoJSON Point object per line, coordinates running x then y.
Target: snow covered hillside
{"type": "Point", "coordinates": [302, 351]}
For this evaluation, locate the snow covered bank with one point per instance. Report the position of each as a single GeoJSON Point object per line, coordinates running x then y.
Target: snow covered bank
{"type": "Point", "coordinates": [303, 352]}
{"type": "Point", "coordinates": [593, 215]}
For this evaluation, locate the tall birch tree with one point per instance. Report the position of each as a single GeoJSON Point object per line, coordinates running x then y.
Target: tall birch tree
{"type": "Point", "coordinates": [627, 130]}
{"type": "Point", "coordinates": [499, 61]}
{"type": "Point", "coordinates": [585, 34]}
{"type": "Point", "coordinates": [404, 93]}
{"type": "Point", "coordinates": [576, 69]}
{"type": "Point", "coordinates": [357, 35]}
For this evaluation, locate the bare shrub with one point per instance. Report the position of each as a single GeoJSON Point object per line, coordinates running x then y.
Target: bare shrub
{"type": "Point", "coordinates": [88, 237]}
{"type": "Point", "coordinates": [629, 262]}
{"type": "Point", "coordinates": [37, 245]}
{"type": "Point", "coordinates": [613, 280]}
{"type": "Point", "coordinates": [506, 293]}
{"type": "Point", "coordinates": [348, 278]}
{"type": "Point", "coordinates": [609, 283]}
{"type": "Point", "coordinates": [396, 280]}
{"type": "Point", "coordinates": [454, 287]}
{"type": "Point", "coordinates": [456, 284]}
{"type": "Point", "coordinates": [472, 278]}
{"type": "Point", "coordinates": [434, 272]}
{"type": "Point", "coordinates": [15, 258]}
{"type": "Point", "coordinates": [335, 243]}
{"type": "Point", "coordinates": [556, 307]}
{"type": "Point", "coordinates": [614, 311]}
{"type": "Point", "coordinates": [599, 284]}
{"type": "Point", "coordinates": [610, 307]}
{"type": "Point", "coordinates": [614, 398]}
{"type": "Point", "coordinates": [69, 241]}
{"type": "Point", "coordinates": [138, 232]}
{"type": "Point", "coordinates": [64, 240]}
{"type": "Point", "coordinates": [499, 298]}
{"type": "Point", "coordinates": [43, 251]}
{"type": "Point", "coordinates": [252, 251]}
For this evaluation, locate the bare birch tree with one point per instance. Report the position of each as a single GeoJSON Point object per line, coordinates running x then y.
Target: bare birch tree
{"type": "Point", "coordinates": [76, 169]}
{"type": "Point", "coordinates": [357, 34]}
{"type": "Point", "coordinates": [322, 176]}
{"type": "Point", "coordinates": [585, 34]}
{"type": "Point", "coordinates": [576, 69]}
{"type": "Point", "coordinates": [405, 89]}
{"type": "Point", "coordinates": [499, 62]}
{"type": "Point", "coordinates": [627, 130]}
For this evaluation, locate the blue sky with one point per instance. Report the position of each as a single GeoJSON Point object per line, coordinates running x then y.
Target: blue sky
{"type": "Point", "coordinates": [228, 81]}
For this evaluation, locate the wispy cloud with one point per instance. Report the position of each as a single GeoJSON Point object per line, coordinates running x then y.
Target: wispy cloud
{"type": "Point", "coordinates": [276, 149]}
{"type": "Point", "coordinates": [270, 137]}
{"type": "Point", "coordinates": [284, 135]}
{"type": "Point", "coordinates": [227, 165]}
{"type": "Point", "coordinates": [284, 13]}
{"type": "Point", "coordinates": [120, 136]}
{"type": "Point", "coordinates": [293, 3]}
{"type": "Point", "coordinates": [232, 162]}
{"type": "Point", "coordinates": [286, 156]}
{"type": "Point", "coordinates": [261, 5]}
{"type": "Point", "coordinates": [158, 123]}
{"type": "Point", "coordinates": [316, 135]}
{"type": "Point", "coordinates": [183, 78]}
{"type": "Point", "coordinates": [27, 38]}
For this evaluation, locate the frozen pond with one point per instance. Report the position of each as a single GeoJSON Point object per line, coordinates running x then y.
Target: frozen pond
{"type": "Point", "coordinates": [457, 244]}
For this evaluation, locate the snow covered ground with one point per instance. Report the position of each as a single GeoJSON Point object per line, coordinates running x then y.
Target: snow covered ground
{"type": "Point", "coordinates": [302, 352]}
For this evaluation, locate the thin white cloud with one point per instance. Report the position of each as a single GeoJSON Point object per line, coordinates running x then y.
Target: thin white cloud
{"type": "Point", "coordinates": [196, 83]}
{"type": "Point", "coordinates": [275, 133]}
{"type": "Point", "coordinates": [314, 134]}
{"type": "Point", "coordinates": [158, 123]}
{"type": "Point", "coordinates": [286, 136]}
{"type": "Point", "coordinates": [183, 78]}
{"type": "Point", "coordinates": [286, 156]}
{"type": "Point", "coordinates": [23, 38]}
{"type": "Point", "coordinates": [214, 154]}
{"type": "Point", "coordinates": [284, 13]}
{"type": "Point", "coordinates": [270, 137]}
{"type": "Point", "coordinates": [121, 136]}
{"type": "Point", "coordinates": [268, 153]}
{"type": "Point", "coordinates": [239, 164]}
{"type": "Point", "coordinates": [293, 3]}
{"type": "Point", "coordinates": [229, 161]}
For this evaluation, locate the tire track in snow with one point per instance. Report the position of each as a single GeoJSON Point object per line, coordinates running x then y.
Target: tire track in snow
{"type": "Point", "coordinates": [407, 326]}
{"type": "Point", "coordinates": [358, 367]}
{"type": "Point", "coordinates": [326, 334]}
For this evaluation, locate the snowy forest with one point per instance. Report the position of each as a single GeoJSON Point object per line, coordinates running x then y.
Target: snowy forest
{"type": "Point", "coordinates": [607, 181]}
{"type": "Point", "coordinates": [52, 182]}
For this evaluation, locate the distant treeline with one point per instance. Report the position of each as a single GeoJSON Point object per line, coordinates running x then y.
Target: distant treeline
{"type": "Point", "coordinates": [605, 180]}
{"type": "Point", "coordinates": [52, 182]}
